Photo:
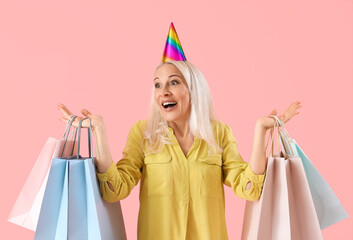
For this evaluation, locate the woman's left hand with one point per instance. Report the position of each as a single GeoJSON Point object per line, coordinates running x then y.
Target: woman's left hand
{"type": "Point", "coordinates": [291, 111]}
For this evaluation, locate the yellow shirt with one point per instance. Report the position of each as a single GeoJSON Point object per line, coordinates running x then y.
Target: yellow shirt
{"type": "Point", "coordinates": [181, 197]}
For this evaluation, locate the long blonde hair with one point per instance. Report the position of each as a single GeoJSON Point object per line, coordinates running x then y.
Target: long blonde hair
{"type": "Point", "coordinates": [201, 115]}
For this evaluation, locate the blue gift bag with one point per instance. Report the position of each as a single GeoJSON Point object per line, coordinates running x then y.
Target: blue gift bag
{"type": "Point", "coordinates": [73, 207]}
{"type": "Point", "coordinates": [328, 208]}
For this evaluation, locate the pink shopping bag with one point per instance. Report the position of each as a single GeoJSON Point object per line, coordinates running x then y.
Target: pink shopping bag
{"type": "Point", "coordinates": [26, 209]}
{"type": "Point", "coordinates": [285, 209]}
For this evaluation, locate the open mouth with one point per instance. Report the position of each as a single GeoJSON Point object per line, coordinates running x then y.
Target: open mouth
{"type": "Point", "coordinates": [169, 104]}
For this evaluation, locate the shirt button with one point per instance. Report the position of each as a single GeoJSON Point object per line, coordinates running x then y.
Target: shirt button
{"type": "Point", "coordinates": [253, 178]}
{"type": "Point", "coordinates": [105, 178]}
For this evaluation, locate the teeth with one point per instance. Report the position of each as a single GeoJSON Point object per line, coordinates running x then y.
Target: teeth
{"type": "Point", "coordinates": [167, 103]}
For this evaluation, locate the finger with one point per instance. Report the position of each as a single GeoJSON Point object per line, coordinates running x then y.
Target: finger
{"type": "Point", "coordinates": [85, 113]}
{"type": "Point", "coordinates": [77, 121]}
{"type": "Point", "coordinates": [297, 104]}
{"type": "Point", "coordinates": [64, 110]}
{"type": "Point", "coordinates": [293, 107]}
{"type": "Point", "coordinates": [74, 123]}
{"type": "Point", "coordinates": [63, 119]}
{"type": "Point", "coordinates": [274, 112]}
{"type": "Point", "coordinates": [291, 111]}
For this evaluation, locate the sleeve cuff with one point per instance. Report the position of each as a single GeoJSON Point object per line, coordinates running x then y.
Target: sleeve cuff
{"type": "Point", "coordinates": [255, 178]}
{"type": "Point", "coordinates": [107, 174]}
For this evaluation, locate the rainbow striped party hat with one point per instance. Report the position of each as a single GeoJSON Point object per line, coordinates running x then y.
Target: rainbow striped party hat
{"type": "Point", "coordinates": [173, 49]}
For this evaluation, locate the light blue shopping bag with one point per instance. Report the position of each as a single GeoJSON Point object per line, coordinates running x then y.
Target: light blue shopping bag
{"type": "Point", "coordinates": [328, 208]}
{"type": "Point", "coordinates": [73, 207]}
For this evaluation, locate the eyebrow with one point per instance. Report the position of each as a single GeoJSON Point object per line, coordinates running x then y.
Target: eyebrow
{"type": "Point", "coordinates": [173, 75]}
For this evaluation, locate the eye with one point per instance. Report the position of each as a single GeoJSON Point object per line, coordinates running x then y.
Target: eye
{"type": "Point", "coordinates": [156, 85]}
{"type": "Point", "coordinates": [174, 81]}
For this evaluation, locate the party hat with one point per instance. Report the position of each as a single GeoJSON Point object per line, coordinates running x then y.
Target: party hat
{"type": "Point", "coordinates": [173, 49]}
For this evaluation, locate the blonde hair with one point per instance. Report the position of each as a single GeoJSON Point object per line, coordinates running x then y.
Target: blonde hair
{"type": "Point", "coordinates": [201, 115]}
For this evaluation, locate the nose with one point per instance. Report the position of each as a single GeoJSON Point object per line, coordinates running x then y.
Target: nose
{"type": "Point", "coordinates": [165, 91]}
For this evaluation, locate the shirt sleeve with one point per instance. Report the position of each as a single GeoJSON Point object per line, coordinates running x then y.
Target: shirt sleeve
{"type": "Point", "coordinates": [124, 175]}
{"type": "Point", "coordinates": [236, 172]}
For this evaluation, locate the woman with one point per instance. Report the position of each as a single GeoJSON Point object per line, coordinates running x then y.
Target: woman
{"type": "Point", "coordinates": [182, 155]}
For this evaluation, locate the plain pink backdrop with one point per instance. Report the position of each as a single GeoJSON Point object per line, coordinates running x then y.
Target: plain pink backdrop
{"type": "Point", "coordinates": [255, 55]}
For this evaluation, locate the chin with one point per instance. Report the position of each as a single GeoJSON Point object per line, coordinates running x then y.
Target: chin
{"type": "Point", "coordinates": [169, 118]}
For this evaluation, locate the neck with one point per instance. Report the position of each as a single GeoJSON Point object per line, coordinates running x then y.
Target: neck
{"type": "Point", "coordinates": [181, 129]}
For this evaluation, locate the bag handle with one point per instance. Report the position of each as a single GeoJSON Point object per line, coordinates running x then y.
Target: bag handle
{"type": "Point", "coordinates": [284, 136]}
{"type": "Point", "coordinates": [272, 137]}
{"type": "Point", "coordinates": [67, 132]}
{"type": "Point", "coordinates": [68, 125]}
{"type": "Point", "coordinates": [89, 138]}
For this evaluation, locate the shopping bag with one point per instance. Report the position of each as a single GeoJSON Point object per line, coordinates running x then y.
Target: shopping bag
{"type": "Point", "coordinates": [328, 208]}
{"type": "Point", "coordinates": [285, 209]}
{"type": "Point", "coordinates": [25, 211]}
{"type": "Point", "coordinates": [73, 207]}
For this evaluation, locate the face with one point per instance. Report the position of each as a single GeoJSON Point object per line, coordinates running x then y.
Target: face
{"type": "Point", "coordinates": [170, 87]}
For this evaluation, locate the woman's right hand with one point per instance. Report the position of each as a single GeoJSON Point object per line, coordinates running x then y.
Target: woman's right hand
{"type": "Point", "coordinates": [96, 120]}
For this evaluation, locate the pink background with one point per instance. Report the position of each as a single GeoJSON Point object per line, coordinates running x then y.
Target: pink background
{"type": "Point", "coordinates": [256, 56]}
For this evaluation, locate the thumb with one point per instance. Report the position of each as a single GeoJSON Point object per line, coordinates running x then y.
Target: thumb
{"type": "Point", "coordinates": [85, 112]}
{"type": "Point", "coordinates": [274, 112]}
